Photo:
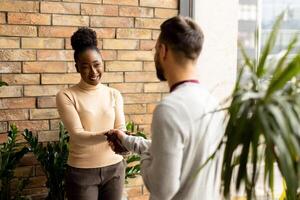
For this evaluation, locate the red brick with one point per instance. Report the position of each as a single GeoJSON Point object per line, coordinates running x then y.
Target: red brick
{"type": "Point", "coordinates": [151, 107]}
{"type": "Point", "coordinates": [155, 34]}
{"type": "Point", "coordinates": [24, 171]}
{"type": "Point", "coordinates": [71, 67]}
{"type": "Point", "coordinates": [70, 20]}
{"type": "Point", "coordinates": [29, 18]}
{"type": "Point", "coordinates": [3, 129]}
{"type": "Point", "coordinates": [148, 23]}
{"type": "Point", "coordinates": [108, 55]}
{"type": "Point", "coordinates": [133, 33]}
{"type": "Point", "coordinates": [36, 193]}
{"type": "Point", "coordinates": [144, 197]}
{"type": "Point", "coordinates": [129, 11]}
{"type": "Point", "coordinates": [122, 2]}
{"type": "Point", "coordinates": [104, 10]}
{"type": "Point", "coordinates": [10, 67]}
{"type": "Point", "coordinates": [59, 7]}
{"type": "Point", "coordinates": [45, 136]}
{"type": "Point", "coordinates": [149, 66]}
{"type": "Point", "coordinates": [147, 44]}
{"type": "Point", "coordinates": [17, 55]}
{"type": "Point", "coordinates": [43, 114]}
{"type": "Point", "coordinates": [9, 42]}
{"type": "Point", "coordinates": [128, 87]}
{"type": "Point", "coordinates": [112, 77]}
{"type": "Point", "coordinates": [17, 30]}
{"type": "Point", "coordinates": [135, 55]}
{"type": "Point", "coordinates": [28, 159]}
{"type": "Point", "coordinates": [35, 125]}
{"type": "Point", "coordinates": [138, 181]}
{"type": "Point", "coordinates": [42, 90]}
{"type": "Point", "coordinates": [11, 91]}
{"type": "Point", "coordinates": [52, 31]}
{"type": "Point", "coordinates": [141, 98]}
{"type": "Point", "coordinates": [140, 77]}
{"type": "Point", "coordinates": [105, 32]}
{"type": "Point", "coordinates": [54, 124]}
{"type": "Point", "coordinates": [45, 67]}
{"type": "Point", "coordinates": [123, 66]}
{"type": "Point", "coordinates": [165, 13]}
{"type": "Point", "coordinates": [2, 18]}
{"type": "Point", "coordinates": [38, 168]}
{"type": "Point", "coordinates": [21, 79]}
{"type": "Point", "coordinates": [13, 103]}
{"type": "Point", "coordinates": [55, 55]}
{"type": "Point", "coordinates": [19, 6]}
{"type": "Point", "coordinates": [60, 78]}
{"type": "Point", "coordinates": [38, 181]}
{"type": "Point", "coordinates": [120, 44]}
{"type": "Point", "coordinates": [135, 109]}
{"type": "Point", "coordinates": [42, 43]}
{"type": "Point", "coordinates": [111, 22]}
{"type": "Point", "coordinates": [134, 191]}
{"type": "Point", "coordinates": [156, 87]}
{"type": "Point", "coordinates": [84, 1]}
{"type": "Point", "coordinates": [14, 114]}
{"type": "Point", "coordinates": [3, 137]}
{"type": "Point", "coordinates": [159, 3]}
{"type": "Point", "coordinates": [46, 102]}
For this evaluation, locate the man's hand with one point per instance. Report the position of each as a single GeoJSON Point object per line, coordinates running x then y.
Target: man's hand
{"type": "Point", "coordinates": [115, 138]}
{"type": "Point", "coordinates": [120, 134]}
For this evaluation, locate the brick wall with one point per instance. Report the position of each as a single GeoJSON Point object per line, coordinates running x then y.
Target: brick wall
{"type": "Point", "coordinates": [36, 60]}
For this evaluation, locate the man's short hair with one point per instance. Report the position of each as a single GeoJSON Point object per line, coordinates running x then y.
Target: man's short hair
{"type": "Point", "coordinates": [183, 36]}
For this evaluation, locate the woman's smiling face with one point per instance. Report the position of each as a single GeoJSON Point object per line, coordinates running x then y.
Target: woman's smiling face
{"type": "Point", "coordinates": [90, 66]}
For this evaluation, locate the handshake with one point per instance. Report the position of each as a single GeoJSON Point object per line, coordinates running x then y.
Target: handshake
{"type": "Point", "coordinates": [114, 138]}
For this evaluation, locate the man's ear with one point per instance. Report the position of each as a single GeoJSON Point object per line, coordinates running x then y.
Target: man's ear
{"type": "Point", "coordinates": [163, 51]}
{"type": "Point", "coordinates": [77, 68]}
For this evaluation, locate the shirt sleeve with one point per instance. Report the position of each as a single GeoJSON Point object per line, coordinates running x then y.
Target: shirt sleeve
{"type": "Point", "coordinates": [71, 120]}
{"type": "Point", "coordinates": [136, 144]}
{"type": "Point", "coordinates": [119, 112]}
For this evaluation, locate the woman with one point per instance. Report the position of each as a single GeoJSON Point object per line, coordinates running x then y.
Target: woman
{"type": "Point", "coordinates": [88, 110]}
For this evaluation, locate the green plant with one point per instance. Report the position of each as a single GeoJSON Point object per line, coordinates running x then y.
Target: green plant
{"type": "Point", "coordinates": [264, 122]}
{"type": "Point", "coordinates": [53, 158]}
{"type": "Point", "coordinates": [3, 84]}
{"type": "Point", "coordinates": [11, 153]}
{"type": "Point", "coordinates": [134, 168]}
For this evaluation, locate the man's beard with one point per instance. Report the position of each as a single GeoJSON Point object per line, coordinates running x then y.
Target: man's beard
{"type": "Point", "coordinates": [159, 70]}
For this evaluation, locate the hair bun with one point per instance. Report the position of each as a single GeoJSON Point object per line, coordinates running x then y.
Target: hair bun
{"type": "Point", "coordinates": [84, 38]}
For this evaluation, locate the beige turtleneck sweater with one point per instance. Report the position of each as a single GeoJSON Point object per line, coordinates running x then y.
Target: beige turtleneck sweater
{"type": "Point", "coordinates": [88, 112]}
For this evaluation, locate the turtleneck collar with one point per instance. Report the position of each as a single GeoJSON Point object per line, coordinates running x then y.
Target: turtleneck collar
{"type": "Point", "coordinates": [85, 86]}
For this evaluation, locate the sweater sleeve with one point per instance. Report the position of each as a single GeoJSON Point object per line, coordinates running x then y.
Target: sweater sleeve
{"type": "Point", "coordinates": [71, 119]}
{"type": "Point", "coordinates": [119, 111]}
{"type": "Point", "coordinates": [161, 166]}
{"type": "Point", "coordinates": [162, 160]}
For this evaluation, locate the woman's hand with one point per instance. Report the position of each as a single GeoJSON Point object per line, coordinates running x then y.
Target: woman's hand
{"type": "Point", "coordinates": [115, 138]}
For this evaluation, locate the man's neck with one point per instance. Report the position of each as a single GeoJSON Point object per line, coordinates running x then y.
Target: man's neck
{"type": "Point", "coordinates": [177, 76]}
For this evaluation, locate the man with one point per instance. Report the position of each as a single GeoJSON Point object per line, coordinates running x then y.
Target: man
{"type": "Point", "coordinates": [186, 129]}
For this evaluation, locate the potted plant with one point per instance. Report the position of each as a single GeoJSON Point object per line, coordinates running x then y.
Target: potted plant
{"type": "Point", "coordinates": [263, 122]}
{"type": "Point", "coordinates": [53, 158]}
{"type": "Point", "coordinates": [11, 153]}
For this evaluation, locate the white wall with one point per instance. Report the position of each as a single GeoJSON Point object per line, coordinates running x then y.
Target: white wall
{"type": "Point", "coordinates": [218, 60]}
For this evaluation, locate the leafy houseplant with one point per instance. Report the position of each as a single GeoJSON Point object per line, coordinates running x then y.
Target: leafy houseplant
{"type": "Point", "coordinates": [53, 159]}
{"type": "Point", "coordinates": [3, 84]}
{"type": "Point", "coordinates": [134, 168]}
{"type": "Point", "coordinates": [11, 153]}
{"type": "Point", "coordinates": [264, 122]}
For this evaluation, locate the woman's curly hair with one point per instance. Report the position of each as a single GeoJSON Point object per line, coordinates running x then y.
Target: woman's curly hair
{"type": "Point", "coordinates": [84, 38]}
